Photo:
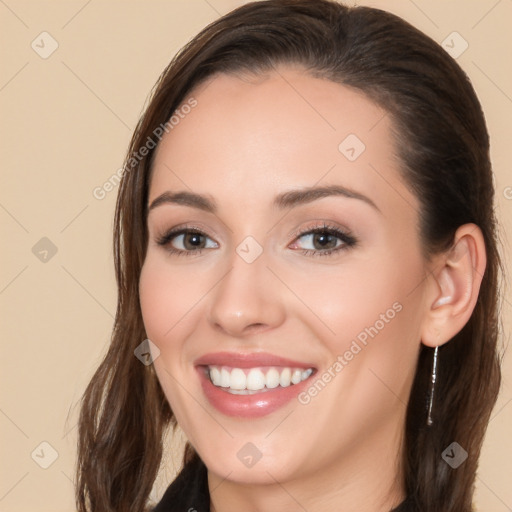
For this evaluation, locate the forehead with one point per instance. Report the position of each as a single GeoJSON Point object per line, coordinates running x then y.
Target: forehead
{"type": "Point", "coordinates": [255, 135]}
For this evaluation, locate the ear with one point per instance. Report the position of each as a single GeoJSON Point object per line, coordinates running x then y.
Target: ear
{"type": "Point", "coordinates": [453, 286]}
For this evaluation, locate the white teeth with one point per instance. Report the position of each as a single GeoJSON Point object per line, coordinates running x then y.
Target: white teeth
{"type": "Point", "coordinates": [215, 376]}
{"type": "Point", "coordinates": [225, 378]}
{"type": "Point", "coordinates": [296, 376]}
{"type": "Point", "coordinates": [240, 381]}
{"type": "Point", "coordinates": [307, 373]}
{"type": "Point", "coordinates": [285, 377]}
{"type": "Point", "coordinates": [255, 379]}
{"type": "Point", "coordinates": [272, 378]}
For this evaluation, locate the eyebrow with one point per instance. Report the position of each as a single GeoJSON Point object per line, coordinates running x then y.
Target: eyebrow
{"type": "Point", "coordinates": [307, 195]}
{"type": "Point", "coordinates": [289, 199]}
{"type": "Point", "coordinates": [186, 199]}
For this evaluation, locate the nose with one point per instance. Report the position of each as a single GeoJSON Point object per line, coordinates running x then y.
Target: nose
{"type": "Point", "coordinates": [247, 300]}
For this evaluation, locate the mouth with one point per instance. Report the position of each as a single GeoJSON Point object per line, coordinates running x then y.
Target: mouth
{"type": "Point", "coordinates": [251, 385]}
{"type": "Point", "coordinates": [250, 381]}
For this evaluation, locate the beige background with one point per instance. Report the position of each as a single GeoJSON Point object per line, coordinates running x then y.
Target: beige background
{"type": "Point", "coordinates": [66, 123]}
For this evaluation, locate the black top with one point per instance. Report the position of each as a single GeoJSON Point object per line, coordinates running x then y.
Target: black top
{"type": "Point", "coordinates": [189, 491]}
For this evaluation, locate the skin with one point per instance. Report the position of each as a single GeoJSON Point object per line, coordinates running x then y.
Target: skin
{"type": "Point", "coordinates": [248, 140]}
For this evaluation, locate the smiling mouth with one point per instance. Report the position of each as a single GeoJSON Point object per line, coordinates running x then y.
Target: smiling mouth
{"type": "Point", "coordinates": [249, 381]}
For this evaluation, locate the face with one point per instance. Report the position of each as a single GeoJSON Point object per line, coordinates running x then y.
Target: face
{"type": "Point", "coordinates": [284, 257]}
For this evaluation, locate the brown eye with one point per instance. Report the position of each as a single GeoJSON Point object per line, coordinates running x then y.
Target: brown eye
{"type": "Point", "coordinates": [186, 241]}
{"type": "Point", "coordinates": [193, 241]}
{"type": "Point", "coordinates": [324, 241]}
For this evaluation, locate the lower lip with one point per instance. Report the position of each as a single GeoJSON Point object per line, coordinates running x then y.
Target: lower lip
{"type": "Point", "coordinates": [249, 406]}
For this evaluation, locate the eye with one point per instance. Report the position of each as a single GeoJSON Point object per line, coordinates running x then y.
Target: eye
{"type": "Point", "coordinates": [323, 240]}
{"type": "Point", "coordinates": [186, 241]}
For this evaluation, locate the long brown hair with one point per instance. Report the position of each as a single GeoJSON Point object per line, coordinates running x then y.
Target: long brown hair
{"type": "Point", "coordinates": [443, 147]}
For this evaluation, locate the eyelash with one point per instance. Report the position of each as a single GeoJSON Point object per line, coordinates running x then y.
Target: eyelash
{"type": "Point", "coordinates": [165, 240]}
{"type": "Point", "coordinates": [346, 237]}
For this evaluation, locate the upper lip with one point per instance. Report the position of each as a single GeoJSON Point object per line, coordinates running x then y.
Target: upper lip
{"type": "Point", "coordinates": [248, 360]}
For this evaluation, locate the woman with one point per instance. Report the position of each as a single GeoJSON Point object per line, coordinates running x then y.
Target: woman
{"type": "Point", "coordinates": [307, 266]}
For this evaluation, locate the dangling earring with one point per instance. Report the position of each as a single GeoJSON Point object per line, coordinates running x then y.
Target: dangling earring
{"type": "Point", "coordinates": [432, 387]}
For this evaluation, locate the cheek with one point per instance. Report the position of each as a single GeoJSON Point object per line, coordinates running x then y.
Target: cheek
{"type": "Point", "coordinates": [372, 351]}
{"type": "Point", "coordinates": [168, 300]}
{"type": "Point", "coordinates": [367, 315]}
{"type": "Point", "coordinates": [346, 300]}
